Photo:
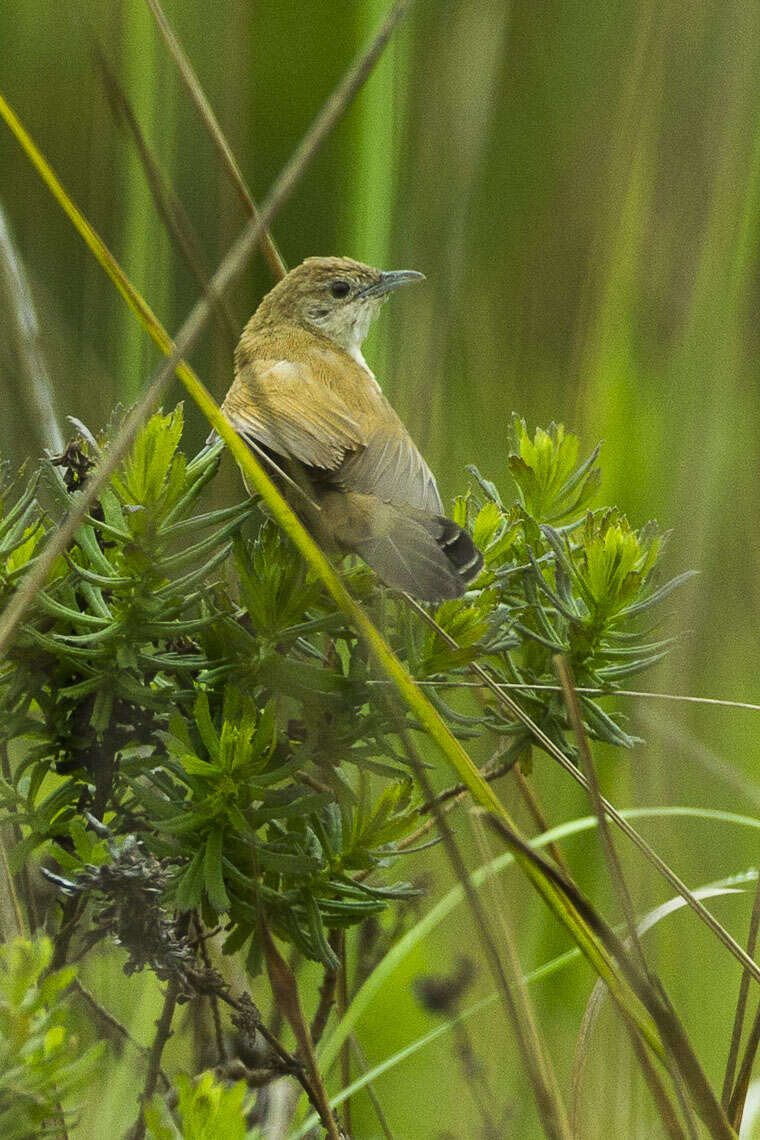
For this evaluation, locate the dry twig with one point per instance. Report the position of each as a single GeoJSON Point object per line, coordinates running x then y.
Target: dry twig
{"type": "Point", "coordinates": [163, 1033]}
{"type": "Point", "coordinates": [285, 990]}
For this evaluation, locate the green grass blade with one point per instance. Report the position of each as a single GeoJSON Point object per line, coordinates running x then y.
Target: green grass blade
{"type": "Point", "coordinates": [332, 1042]}
{"type": "Point", "coordinates": [95, 243]}
{"type": "Point", "coordinates": [553, 966]}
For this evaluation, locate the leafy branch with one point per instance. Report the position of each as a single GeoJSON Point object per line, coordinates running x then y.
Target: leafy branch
{"type": "Point", "coordinates": [187, 677]}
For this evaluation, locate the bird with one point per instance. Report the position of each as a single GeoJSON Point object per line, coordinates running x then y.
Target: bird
{"type": "Point", "coordinates": [307, 403]}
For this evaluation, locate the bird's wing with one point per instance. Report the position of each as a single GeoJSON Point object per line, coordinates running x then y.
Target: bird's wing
{"type": "Point", "coordinates": [391, 467]}
{"type": "Point", "coordinates": [279, 404]}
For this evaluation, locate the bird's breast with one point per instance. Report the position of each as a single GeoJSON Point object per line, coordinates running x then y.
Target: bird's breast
{"type": "Point", "coordinates": [333, 368]}
{"type": "Point", "coordinates": [352, 380]}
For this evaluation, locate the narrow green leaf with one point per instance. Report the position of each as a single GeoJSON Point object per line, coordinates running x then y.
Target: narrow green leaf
{"type": "Point", "coordinates": [205, 725]}
{"type": "Point", "coordinates": [188, 893]}
{"type": "Point", "coordinates": [324, 950]}
{"type": "Point", "coordinates": [213, 878]}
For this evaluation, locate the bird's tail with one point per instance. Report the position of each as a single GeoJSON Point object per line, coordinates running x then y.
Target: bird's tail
{"type": "Point", "coordinates": [429, 556]}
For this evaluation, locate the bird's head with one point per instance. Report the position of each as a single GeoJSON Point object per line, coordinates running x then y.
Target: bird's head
{"type": "Point", "coordinates": [337, 296]}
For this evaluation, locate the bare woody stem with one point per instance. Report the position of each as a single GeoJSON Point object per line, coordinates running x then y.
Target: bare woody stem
{"type": "Point", "coordinates": [112, 1022]}
{"type": "Point", "coordinates": [163, 1033]}
{"type": "Point", "coordinates": [326, 998]}
{"type": "Point", "coordinates": [221, 1048]}
{"type": "Point", "coordinates": [345, 1055]}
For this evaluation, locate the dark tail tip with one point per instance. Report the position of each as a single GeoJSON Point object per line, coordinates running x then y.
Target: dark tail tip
{"type": "Point", "coordinates": [460, 550]}
{"type": "Point", "coordinates": [429, 556]}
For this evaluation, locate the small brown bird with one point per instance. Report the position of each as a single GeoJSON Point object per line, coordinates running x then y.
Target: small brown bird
{"type": "Point", "coordinates": [306, 401]}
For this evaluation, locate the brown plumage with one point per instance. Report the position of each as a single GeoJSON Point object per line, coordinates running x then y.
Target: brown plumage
{"type": "Point", "coordinates": [306, 401]}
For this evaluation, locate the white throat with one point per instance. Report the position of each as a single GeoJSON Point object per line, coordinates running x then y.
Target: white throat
{"type": "Point", "coordinates": [353, 347]}
{"type": "Point", "coordinates": [350, 334]}
{"type": "Point", "coordinates": [355, 350]}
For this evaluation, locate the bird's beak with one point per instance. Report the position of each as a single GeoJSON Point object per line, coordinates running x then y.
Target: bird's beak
{"type": "Point", "coordinates": [392, 279]}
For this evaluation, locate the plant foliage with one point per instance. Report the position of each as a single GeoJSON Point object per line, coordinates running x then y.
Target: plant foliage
{"type": "Point", "coordinates": [42, 1060]}
{"type": "Point", "coordinates": [206, 1109]}
{"type": "Point", "coordinates": [185, 679]}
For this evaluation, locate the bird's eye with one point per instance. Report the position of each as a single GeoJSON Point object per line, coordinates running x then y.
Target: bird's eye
{"type": "Point", "coordinates": [340, 288]}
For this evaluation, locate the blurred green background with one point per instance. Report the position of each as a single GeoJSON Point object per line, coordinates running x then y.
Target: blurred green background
{"type": "Point", "coordinates": [581, 185]}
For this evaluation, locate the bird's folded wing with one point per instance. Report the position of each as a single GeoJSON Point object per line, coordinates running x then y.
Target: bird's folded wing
{"type": "Point", "coordinates": [391, 467]}
{"type": "Point", "coordinates": [279, 405]}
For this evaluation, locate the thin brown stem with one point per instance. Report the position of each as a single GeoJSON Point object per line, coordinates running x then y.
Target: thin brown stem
{"type": "Point", "coordinates": [163, 1033]}
{"type": "Point", "coordinates": [651, 1073]}
{"type": "Point", "coordinates": [531, 802]}
{"type": "Point", "coordinates": [741, 1004]}
{"type": "Point", "coordinates": [511, 991]}
{"type": "Point", "coordinates": [113, 1023]}
{"type": "Point", "coordinates": [221, 1048]}
{"type": "Point", "coordinates": [474, 1080]}
{"type": "Point", "coordinates": [499, 908]}
{"type": "Point", "coordinates": [446, 800]}
{"type": "Point", "coordinates": [739, 1095]}
{"type": "Point", "coordinates": [345, 1053]}
{"type": "Point", "coordinates": [611, 856]}
{"type": "Point", "coordinates": [290, 1064]}
{"type": "Point", "coordinates": [70, 911]}
{"type": "Point", "coordinates": [613, 861]}
{"type": "Point", "coordinates": [285, 989]}
{"type": "Point", "coordinates": [361, 1059]}
{"type": "Point", "coordinates": [60, 1123]}
{"type": "Point", "coordinates": [326, 998]}
{"type": "Point", "coordinates": [528, 795]}
{"type": "Point", "coordinates": [671, 1032]}
{"type": "Point", "coordinates": [275, 1020]}
{"type": "Point", "coordinates": [492, 771]}
{"type": "Point", "coordinates": [311, 782]}
{"type": "Point", "coordinates": [665, 1109]}
{"type": "Point", "coordinates": [168, 205]}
